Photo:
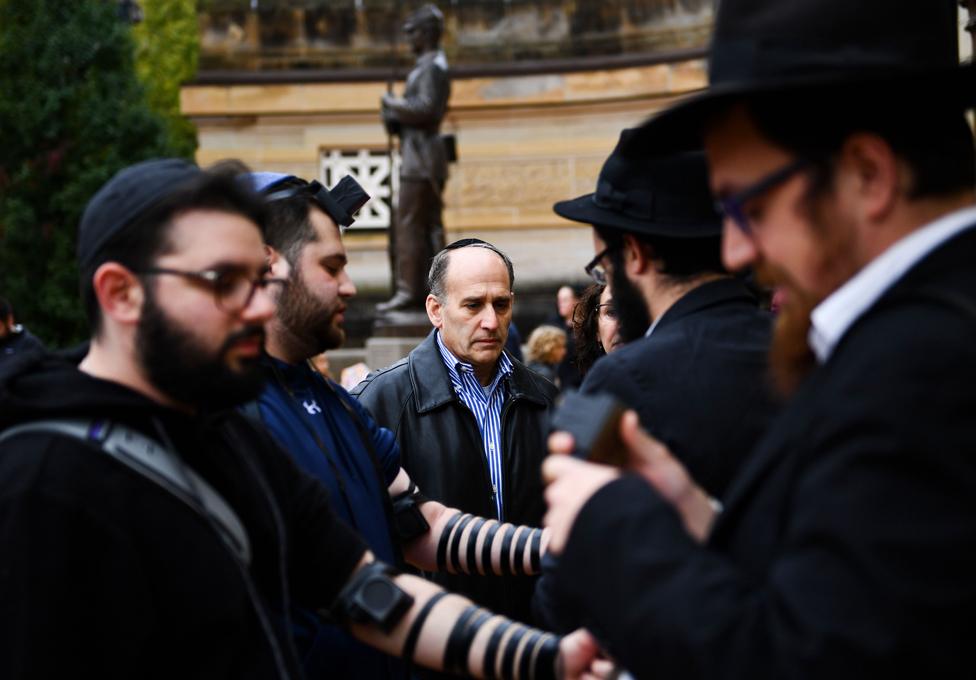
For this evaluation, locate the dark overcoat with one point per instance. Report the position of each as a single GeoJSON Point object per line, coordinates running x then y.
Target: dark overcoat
{"type": "Point", "coordinates": [699, 382]}
{"type": "Point", "coordinates": [847, 548]}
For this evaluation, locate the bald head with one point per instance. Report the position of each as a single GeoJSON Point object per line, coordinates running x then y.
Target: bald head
{"type": "Point", "coordinates": [470, 304]}
{"type": "Point", "coordinates": [436, 278]}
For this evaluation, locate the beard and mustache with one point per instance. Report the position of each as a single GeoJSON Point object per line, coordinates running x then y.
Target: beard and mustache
{"type": "Point", "coordinates": [182, 367]}
{"type": "Point", "coordinates": [307, 320]}
{"type": "Point", "coordinates": [790, 357]}
{"type": "Point", "coordinates": [632, 314]}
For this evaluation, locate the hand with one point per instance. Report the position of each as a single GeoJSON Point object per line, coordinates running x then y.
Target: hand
{"type": "Point", "coordinates": [578, 658]}
{"type": "Point", "coordinates": [387, 99]}
{"type": "Point", "coordinates": [653, 461]}
{"type": "Point", "coordinates": [571, 482]}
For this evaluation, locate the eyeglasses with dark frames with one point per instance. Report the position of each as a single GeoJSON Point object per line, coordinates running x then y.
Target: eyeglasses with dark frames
{"type": "Point", "coordinates": [607, 309]}
{"type": "Point", "coordinates": [733, 206]}
{"type": "Point", "coordinates": [233, 288]}
{"type": "Point", "coordinates": [595, 269]}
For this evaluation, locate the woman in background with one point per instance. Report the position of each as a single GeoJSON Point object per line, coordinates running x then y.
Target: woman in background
{"type": "Point", "coordinates": [546, 349]}
{"type": "Point", "coordinates": [595, 326]}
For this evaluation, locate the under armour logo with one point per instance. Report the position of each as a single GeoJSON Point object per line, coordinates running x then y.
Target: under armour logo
{"type": "Point", "coordinates": [311, 407]}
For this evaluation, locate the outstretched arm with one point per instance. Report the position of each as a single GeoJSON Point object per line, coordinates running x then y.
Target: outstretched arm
{"type": "Point", "coordinates": [444, 631]}
{"type": "Point", "coordinates": [462, 543]}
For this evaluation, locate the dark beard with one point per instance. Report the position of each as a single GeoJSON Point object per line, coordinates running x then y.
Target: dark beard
{"type": "Point", "coordinates": [627, 299]}
{"type": "Point", "coordinates": [306, 319]}
{"type": "Point", "coordinates": [178, 366]}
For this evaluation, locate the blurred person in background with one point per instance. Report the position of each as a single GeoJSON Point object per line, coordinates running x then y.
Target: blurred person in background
{"type": "Point", "coordinates": [596, 328]}
{"type": "Point", "coordinates": [546, 349]}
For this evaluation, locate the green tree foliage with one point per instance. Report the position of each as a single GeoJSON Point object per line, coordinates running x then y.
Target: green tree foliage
{"type": "Point", "coordinates": [72, 113]}
{"type": "Point", "coordinates": [167, 51]}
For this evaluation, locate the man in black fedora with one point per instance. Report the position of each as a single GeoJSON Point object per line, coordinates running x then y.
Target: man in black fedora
{"type": "Point", "coordinates": [694, 367]}
{"type": "Point", "coordinates": [843, 163]}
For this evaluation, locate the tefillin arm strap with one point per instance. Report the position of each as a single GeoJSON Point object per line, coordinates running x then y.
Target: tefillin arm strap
{"type": "Point", "coordinates": [458, 550]}
{"type": "Point", "coordinates": [512, 650]}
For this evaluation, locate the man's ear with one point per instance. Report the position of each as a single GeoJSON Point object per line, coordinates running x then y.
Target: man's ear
{"type": "Point", "coordinates": [636, 258]}
{"type": "Point", "coordinates": [280, 269]}
{"type": "Point", "coordinates": [434, 311]}
{"type": "Point", "coordinates": [872, 175]}
{"type": "Point", "coordinates": [119, 292]}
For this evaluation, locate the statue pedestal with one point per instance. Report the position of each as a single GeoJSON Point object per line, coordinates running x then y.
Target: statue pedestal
{"type": "Point", "coordinates": [395, 334]}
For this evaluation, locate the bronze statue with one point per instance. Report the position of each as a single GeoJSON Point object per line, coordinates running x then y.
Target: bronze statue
{"type": "Point", "coordinates": [418, 230]}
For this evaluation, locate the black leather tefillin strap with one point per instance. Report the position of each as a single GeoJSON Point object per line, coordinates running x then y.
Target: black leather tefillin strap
{"type": "Point", "coordinates": [459, 641]}
{"type": "Point", "coordinates": [486, 548]}
{"type": "Point", "coordinates": [471, 554]}
{"type": "Point", "coordinates": [518, 562]}
{"type": "Point", "coordinates": [491, 651]}
{"type": "Point", "coordinates": [527, 653]}
{"type": "Point", "coordinates": [456, 543]}
{"type": "Point", "coordinates": [457, 540]}
{"type": "Point", "coordinates": [410, 644]}
{"type": "Point", "coordinates": [508, 657]}
{"type": "Point", "coordinates": [442, 543]}
{"type": "Point", "coordinates": [506, 557]}
{"type": "Point", "coordinates": [535, 551]}
{"type": "Point", "coordinates": [409, 519]}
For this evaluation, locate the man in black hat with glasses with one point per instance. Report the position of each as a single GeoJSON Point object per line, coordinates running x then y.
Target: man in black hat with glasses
{"type": "Point", "coordinates": [694, 367]}
{"type": "Point", "coordinates": [841, 158]}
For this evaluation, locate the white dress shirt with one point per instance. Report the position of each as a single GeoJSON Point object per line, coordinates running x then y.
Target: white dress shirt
{"type": "Point", "coordinates": [834, 316]}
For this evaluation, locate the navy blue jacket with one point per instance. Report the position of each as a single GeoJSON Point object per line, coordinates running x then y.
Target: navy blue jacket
{"type": "Point", "coordinates": [332, 437]}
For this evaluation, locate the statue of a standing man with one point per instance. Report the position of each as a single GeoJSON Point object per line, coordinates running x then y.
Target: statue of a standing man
{"type": "Point", "coordinates": [418, 232]}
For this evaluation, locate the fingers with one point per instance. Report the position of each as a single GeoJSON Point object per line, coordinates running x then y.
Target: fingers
{"type": "Point", "coordinates": [578, 650]}
{"type": "Point", "coordinates": [630, 429]}
{"type": "Point", "coordinates": [561, 442]}
{"type": "Point", "coordinates": [554, 467]}
{"type": "Point", "coordinates": [643, 448]}
{"type": "Point", "coordinates": [570, 483]}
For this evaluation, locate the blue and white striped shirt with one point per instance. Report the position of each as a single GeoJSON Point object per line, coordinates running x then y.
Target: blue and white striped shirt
{"type": "Point", "coordinates": [486, 405]}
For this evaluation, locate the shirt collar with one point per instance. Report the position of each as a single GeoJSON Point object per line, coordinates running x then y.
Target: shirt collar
{"type": "Point", "coordinates": [831, 319]}
{"type": "Point", "coordinates": [455, 366]}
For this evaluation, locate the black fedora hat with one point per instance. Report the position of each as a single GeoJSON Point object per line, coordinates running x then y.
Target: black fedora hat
{"type": "Point", "coordinates": [661, 196]}
{"type": "Point", "coordinates": [763, 47]}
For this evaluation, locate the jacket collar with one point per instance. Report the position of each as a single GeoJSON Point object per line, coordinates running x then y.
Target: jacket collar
{"type": "Point", "coordinates": [432, 385]}
{"type": "Point", "coordinates": [719, 291]}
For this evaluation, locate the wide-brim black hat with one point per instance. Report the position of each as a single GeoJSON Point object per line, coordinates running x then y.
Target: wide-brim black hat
{"type": "Point", "coordinates": [659, 196]}
{"type": "Point", "coordinates": [765, 47]}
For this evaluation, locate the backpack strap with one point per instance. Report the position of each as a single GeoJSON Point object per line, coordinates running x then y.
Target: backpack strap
{"type": "Point", "coordinates": [153, 461]}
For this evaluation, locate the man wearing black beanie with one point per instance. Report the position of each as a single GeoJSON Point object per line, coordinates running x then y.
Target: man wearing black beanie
{"type": "Point", "coordinates": [148, 530]}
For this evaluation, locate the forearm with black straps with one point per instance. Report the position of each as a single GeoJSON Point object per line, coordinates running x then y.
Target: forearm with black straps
{"type": "Point", "coordinates": [512, 651]}
{"type": "Point", "coordinates": [466, 546]}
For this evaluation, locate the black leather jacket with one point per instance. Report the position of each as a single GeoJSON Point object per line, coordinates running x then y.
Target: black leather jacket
{"type": "Point", "coordinates": [442, 451]}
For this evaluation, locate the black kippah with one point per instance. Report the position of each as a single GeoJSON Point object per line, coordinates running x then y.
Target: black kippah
{"type": "Point", "coordinates": [125, 198]}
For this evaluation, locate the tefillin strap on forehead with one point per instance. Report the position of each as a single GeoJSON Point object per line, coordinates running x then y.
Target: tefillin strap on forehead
{"type": "Point", "coordinates": [340, 203]}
